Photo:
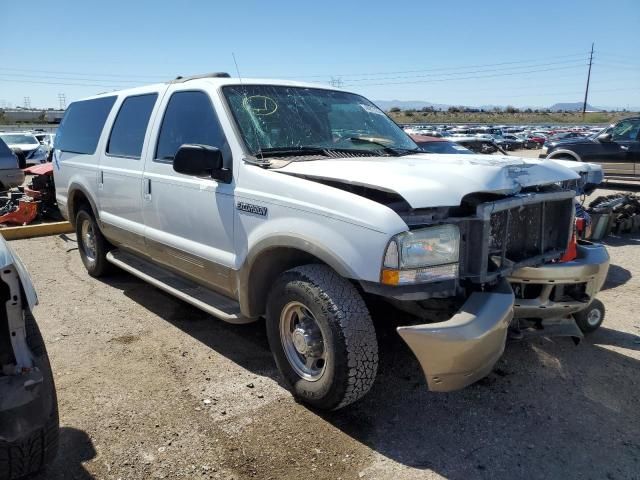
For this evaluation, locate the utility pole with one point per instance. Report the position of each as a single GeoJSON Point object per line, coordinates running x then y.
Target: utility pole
{"type": "Point", "coordinates": [27, 102]}
{"type": "Point", "coordinates": [62, 99]}
{"type": "Point", "coordinates": [586, 92]}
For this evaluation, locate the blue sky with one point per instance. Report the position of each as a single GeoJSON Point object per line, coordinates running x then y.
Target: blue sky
{"type": "Point", "coordinates": [456, 52]}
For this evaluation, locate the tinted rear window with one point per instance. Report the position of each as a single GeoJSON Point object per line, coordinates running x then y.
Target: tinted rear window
{"type": "Point", "coordinates": [127, 134]}
{"type": "Point", "coordinates": [82, 124]}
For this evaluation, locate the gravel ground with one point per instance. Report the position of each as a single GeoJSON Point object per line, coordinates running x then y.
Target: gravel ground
{"type": "Point", "coordinates": [151, 388]}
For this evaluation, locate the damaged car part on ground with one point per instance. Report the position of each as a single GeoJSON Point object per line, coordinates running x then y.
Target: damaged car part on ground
{"type": "Point", "coordinates": [28, 404]}
{"type": "Point", "coordinates": [319, 204]}
{"type": "Point", "coordinates": [23, 205]}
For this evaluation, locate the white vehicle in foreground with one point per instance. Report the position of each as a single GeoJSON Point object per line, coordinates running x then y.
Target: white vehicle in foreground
{"type": "Point", "coordinates": [300, 204]}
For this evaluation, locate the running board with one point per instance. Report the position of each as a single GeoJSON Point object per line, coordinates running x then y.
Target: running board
{"type": "Point", "coordinates": [200, 297]}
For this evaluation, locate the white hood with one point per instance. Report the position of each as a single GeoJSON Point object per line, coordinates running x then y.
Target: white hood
{"type": "Point", "coordinates": [436, 180]}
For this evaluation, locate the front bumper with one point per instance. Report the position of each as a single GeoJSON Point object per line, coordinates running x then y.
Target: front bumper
{"type": "Point", "coordinates": [560, 289]}
{"type": "Point", "coordinates": [464, 349]}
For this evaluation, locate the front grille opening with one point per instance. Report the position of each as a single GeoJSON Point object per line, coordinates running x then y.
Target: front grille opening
{"type": "Point", "coordinates": [524, 291]}
{"type": "Point", "coordinates": [520, 233]}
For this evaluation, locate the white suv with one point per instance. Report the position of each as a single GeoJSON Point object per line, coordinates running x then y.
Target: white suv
{"type": "Point", "coordinates": [300, 204]}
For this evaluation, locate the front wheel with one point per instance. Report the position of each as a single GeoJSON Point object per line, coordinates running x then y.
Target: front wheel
{"type": "Point", "coordinates": [321, 336]}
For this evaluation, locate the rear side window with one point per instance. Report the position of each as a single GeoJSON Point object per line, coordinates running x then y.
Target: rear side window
{"type": "Point", "coordinates": [130, 126]}
{"type": "Point", "coordinates": [82, 125]}
{"type": "Point", "coordinates": [189, 118]}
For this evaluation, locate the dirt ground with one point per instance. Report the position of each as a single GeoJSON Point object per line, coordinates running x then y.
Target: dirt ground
{"type": "Point", "coordinates": [152, 388]}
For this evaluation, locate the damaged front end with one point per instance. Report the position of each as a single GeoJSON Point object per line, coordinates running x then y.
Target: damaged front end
{"type": "Point", "coordinates": [502, 238]}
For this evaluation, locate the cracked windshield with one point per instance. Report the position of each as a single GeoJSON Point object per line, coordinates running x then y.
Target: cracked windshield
{"type": "Point", "coordinates": [293, 120]}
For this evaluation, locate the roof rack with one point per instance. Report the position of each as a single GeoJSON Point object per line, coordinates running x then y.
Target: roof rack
{"type": "Point", "coordinates": [181, 79]}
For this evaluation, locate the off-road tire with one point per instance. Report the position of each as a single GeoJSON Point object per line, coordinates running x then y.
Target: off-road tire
{"type": "Point", "coordinates": [583, 319]}
{"type": "Point", "coordinates": [99, 266]}
{"type": "Point", "coordinates": [35, 451]}
{"type": "Point", "coordinates": [350, 338]}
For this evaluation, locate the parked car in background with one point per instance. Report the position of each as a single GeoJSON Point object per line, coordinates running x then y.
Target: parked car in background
{"type": "Point", "coordinates": [564, 135]}
{"type": "Point", "coordinates": [439, 145]}
{"type": "Point", "coordinates": [26, 146]}
{"type": "Point", "coordinates": [28, 404]}
{"type": "Point", "coordinates": [478, 143]}
{"type": "Point", "coordinates": [10, 173]}
{"type": "Point", "coordinates": [508, 142]}
{"type": "Point", "coordinates": [537, 139]}
{"type": "Point", "coordinates": [616, 148]}
{"type": "Point", "coordinates": [45, 139]}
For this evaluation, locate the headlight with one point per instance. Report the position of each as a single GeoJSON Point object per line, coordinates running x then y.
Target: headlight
{"type": "Point", "coordinates": [426, 255]}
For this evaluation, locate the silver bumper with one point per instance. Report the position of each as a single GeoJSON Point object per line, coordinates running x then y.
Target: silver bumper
{"type": "Point", "coordinates": [464, 349]}
{"type": "Point", "coordinates": [589, 268]}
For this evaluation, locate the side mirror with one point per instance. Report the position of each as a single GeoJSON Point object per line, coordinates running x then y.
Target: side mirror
{"type": "Point", "coordinates": [604, 137]}
{"type": "Point", "coordinates": [199, 161]}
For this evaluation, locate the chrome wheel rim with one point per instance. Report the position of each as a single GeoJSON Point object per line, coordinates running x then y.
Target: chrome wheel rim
{"type": "Point", "coordinates": [593, 317]}
{"type": "Point", "coordinates": [302, 341]}
{"type": "Point", "coordinates": [88, 240]}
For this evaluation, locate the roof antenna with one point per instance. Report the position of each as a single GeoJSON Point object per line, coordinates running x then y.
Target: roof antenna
{"type": "Point", "coordinates": [244, 93]}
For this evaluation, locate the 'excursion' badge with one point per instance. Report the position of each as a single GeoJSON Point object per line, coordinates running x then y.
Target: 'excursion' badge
{"type": "Point", "coordinates": [250, 208]}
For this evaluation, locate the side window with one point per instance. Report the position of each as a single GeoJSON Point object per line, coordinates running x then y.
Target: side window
{"type": "Point", "coordinates": [130, 126]}
{"type": "Point", "coordinates": [189, 118]}
{"type": "Point", "coordinates": [82, 125]}
{"type": "Point", "coordinates": [626, 130]}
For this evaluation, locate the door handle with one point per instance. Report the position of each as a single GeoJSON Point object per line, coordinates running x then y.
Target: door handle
{"type": "Point", "coordinates": [147, 187]}
{"type": "Point", "coordinates": [624, 147]}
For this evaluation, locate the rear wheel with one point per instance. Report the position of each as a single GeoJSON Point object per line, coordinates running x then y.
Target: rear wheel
{"type": "Point", "coordinates": [321, 336]}
{"type": "Point", "coordinates": [590, 319]}
{"type": "Point", "coordinates": [92, 245]}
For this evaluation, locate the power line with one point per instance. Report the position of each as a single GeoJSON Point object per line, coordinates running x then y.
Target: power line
{"type": "Point", "coordinates": [584, 55]}
{"type": "Point", "coordinates": [472, 77]}
{"type": "Point", "coordinates": [61, 83]}
{"type": "Point", "coordinates": [464, 73]}
{"type": "Point", "coordinates": [84, 74]}
{"type": "Point", "coordinates": [22, 75]}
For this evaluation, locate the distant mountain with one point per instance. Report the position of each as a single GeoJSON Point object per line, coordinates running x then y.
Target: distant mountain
{"type": "Point", "coordinates": [386, 105]}
{"type": "Point", "coordinates": [573, 107]}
